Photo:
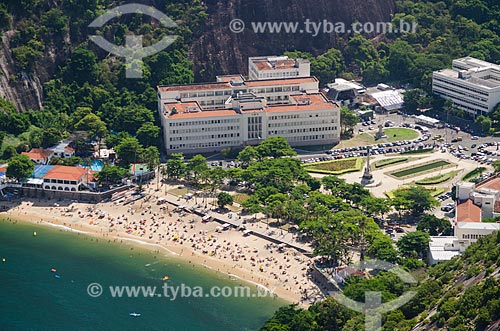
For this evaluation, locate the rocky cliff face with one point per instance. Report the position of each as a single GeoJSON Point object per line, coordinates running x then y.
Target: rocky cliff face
{"type": "Point", "coordinates": [219, 50]}
{"type": "Point", "coordinates": [22, 89]}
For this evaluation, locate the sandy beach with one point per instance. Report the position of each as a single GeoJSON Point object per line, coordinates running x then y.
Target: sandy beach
{"type": "Point", "coordinates": [163, 229]}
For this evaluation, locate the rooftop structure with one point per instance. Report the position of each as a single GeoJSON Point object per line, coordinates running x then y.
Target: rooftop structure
{"type": "Point", "coordinates": [472, 84]}
{"type": "Point", "coordinates": [445, 248]}
{"type": "Point", "coordinates": [215, 95]}
{"type": "Point", "coordinates": [266, 67]}
{"type": "Point", "coordinates": [389, 100]}
{"type": "Point", "coordinates": [62, 150]}
{"type": "Point", "coordinates": [343, 90]}
{"type": "Point", "coordinates": [39, 155]}
{"type": "Point", "coordinates": [60, 172]}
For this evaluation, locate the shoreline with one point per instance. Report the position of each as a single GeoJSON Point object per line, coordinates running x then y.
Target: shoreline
{"type": "Point", "coordinates": [182, 252]}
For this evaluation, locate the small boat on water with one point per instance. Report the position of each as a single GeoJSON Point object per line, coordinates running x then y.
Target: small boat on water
{"type": "Point", "coordinates": [165, 278]}
{"type": "Point", "coordinates": [57, 276]}
{"type": "Point", "coordinates": [134, 314]}
{"type": "Point", "coordinates": [53, 270]}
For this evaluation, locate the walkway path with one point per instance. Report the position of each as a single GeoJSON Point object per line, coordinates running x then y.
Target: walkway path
{"type": "Point", "coordinates": [271, 234]}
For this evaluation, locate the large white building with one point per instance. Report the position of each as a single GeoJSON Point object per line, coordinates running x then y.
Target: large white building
{"type": "Point", "coordinates": [234, 112]}
{"type": "Point", "coordinates": [473, 85]}
{"type": "Point", "coordinates": [247, 119]}
{"type": "Point", "coordinates": [271, 67]}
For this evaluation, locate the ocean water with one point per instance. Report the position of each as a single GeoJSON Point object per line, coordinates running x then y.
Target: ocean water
{"type": "Point", "coordinates": [32, 298]}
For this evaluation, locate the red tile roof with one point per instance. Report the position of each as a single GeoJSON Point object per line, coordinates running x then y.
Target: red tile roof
{"type": "Point", "coordinates": [192, 109]}
{"type": "Point", "coordinates": [303, 103]}
{"type": "Point", "coordinates": [66, 173]}
{"type": "Point", "coordinates": [38, 153]}
{"type": "Point", "coordinates": [467, 211]}
{"type": "Point", "coordinates": [493, 184]}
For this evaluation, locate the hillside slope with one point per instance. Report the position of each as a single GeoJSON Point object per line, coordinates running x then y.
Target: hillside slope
{"type": "Point", "coordinates": [458, 295]}
{"type": "Point", "coordinates": [218, 50]}
{"type": "Point", "coordinates": [212, 47]}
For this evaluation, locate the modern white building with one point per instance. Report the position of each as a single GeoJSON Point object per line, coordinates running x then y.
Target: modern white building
{"type": "Point", "coordinates": [62, 150]}
{"type": "Point", "coordinates": [445, 248]}
{"type": "Point", "coordinates": [215, 95]}
{"type": "Point", "coordinates": [234, 112]}
{"type": "Point", "coordinates": [247, 119]}
{"type": "Point", "coordinates": [272, 67]}
{"type": "Point", "coordinates": [473, 85]}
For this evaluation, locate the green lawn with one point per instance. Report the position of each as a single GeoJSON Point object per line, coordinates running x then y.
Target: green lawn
{"type": "Point", "coordinates": [420, 169]}
{"type": "Point", "coordinates": [386, 162]}
{"type": "Point", "coordinates": [473, 174]}
{"type": "Point", "coordinates": [397, 134]}
{"type": "Point", "coordinates": [368, 138]}
{"type": "Point", "coordinates": [336, 167]}
{"type": "Point", "coordinates": [438, 179]}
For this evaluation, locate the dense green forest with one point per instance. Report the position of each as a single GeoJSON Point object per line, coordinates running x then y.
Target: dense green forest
{"type": "Point", "coordinates": [446, 30]}
{"type": "Point", "coordinates": [88, 91]}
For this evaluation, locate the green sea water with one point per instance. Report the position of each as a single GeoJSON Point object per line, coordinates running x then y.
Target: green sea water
{"type": "Point", "coordinates": [32, 298]}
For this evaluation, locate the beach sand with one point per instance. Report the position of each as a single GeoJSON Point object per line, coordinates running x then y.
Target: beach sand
{"type": "Point", "coordinates": [160, 228]}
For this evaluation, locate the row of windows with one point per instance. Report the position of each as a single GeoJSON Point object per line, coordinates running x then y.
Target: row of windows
{"type": "Point", "coordinates": [274, 74]}
{"type": "Point", "coordinates": [59, 181]}
{"type": "Point", "coordinates": [457, 100]}
{"type": "Point", "coordinates": [206, 137]}
{"type": "Point", "coordinates": [208, 94]}
{"type": "Point", "coordinates": [208, 129]}
{"type": "Point", "coordinates": [293, 131]}
{"type": "Point", "coordinates": [301, 123]}
{"type": "Point", "coordinates": [204, 122]}
{"type": "Point", "coordinates": [473, 236]}
{"type": "Point", "coordinates": [300, 115]}
{"type": "Point", "coordinates": [203, 145]}
{"type": "Point", "coordinates": [473, 96]}
{"type": "Point", "coordinates": [59, 188]}
{"type": "Point", "coordinates": [454, 83]}
{"type": "Point", "coordinates": [204, 94]}
{"type": "Point", "coordinates": [308, 138]}
{"type": "Point", "coordinates": [212, 102]}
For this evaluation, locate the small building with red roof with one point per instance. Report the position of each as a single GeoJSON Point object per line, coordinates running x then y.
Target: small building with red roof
{"type": "Point", "coordinates": [65, 178]}
{"type": "Point", "coordinates": [39, 155]}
